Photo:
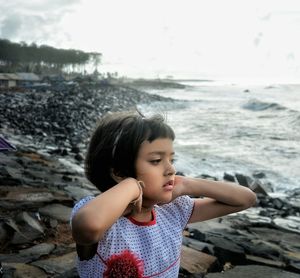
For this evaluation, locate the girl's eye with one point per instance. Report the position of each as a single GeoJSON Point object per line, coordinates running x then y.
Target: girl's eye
{"type": "Point", "coordinates": [155, 161]}
{"type": "Point", "coordinates": [173, 160]}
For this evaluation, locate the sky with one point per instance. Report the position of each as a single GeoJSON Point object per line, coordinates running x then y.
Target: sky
{"type": "Point", "coordinates": [208, 39]}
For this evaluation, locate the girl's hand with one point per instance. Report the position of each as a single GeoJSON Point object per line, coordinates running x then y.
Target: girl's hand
{"type": "Point", "coordinates": [178, 187]}
{"type": "Point", "coordinates": [136, 205]}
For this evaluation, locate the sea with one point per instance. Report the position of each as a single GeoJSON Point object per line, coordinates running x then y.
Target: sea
{"type": "Point", "coordinates": [224, 127]}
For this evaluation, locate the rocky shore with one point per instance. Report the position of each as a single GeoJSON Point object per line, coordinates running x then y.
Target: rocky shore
{"type": "Point", "coordinates": [41, 180]}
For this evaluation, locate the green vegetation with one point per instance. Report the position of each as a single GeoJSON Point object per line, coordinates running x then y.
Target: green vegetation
{"type": "Point", "coordinates": [22, 57]}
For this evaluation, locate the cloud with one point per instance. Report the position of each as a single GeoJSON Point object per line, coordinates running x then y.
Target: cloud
{"type": "Point", "coordinates": [258, 39]}
{"type": "Point", "coordinates": [35, 20]}
{"type": "Point", "coordinates": [10, 26]}
{"type": "Point", "coordinates": [37, 5]}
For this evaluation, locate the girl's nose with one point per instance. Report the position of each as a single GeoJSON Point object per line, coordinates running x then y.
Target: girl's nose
{"type": "Point", "coordinates": [170, 169]}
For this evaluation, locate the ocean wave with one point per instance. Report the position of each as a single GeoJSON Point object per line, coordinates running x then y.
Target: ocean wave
{"type": "Point", "coordinates": [296, 120]}
{"type": "Point", "coordinates": [165, 106]}
{"type": "Point", "coordinates": [256, 105]}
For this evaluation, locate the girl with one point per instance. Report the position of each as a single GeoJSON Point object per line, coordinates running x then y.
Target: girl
{"type": "Point", "coordinates": [134, 227]}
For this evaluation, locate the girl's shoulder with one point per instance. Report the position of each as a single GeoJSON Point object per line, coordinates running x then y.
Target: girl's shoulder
{"type": "Point", "coordinates": [80, 204]}
{"type": "Point", "coordinates": [181, 208]}
{"type": "Point", "coordinates": [182, 203]}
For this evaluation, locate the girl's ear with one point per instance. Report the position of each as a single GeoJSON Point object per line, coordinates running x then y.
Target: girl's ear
{"type": "Point", "coordinates": [116, 176]}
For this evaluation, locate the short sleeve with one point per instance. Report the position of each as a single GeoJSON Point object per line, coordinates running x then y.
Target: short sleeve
{"type": "Point", "coordinates": [181, 209]}
{"type": "Point", "coordinates": [185, 206]}
{"type": "Point", "coordinates": [79, 205]}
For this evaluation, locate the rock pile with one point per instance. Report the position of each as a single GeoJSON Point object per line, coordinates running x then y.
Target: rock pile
{"type": "Point", "coordinates": [65, 117]}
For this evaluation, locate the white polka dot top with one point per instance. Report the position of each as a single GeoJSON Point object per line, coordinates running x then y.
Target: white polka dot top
{"type": "Point", "coordinates": [155, 245]}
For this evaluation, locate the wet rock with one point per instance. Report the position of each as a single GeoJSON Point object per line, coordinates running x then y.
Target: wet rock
{"type": "Point", "coordinates": [253, 184]}
{"type": "Point", "coordinates": [262, 248]}
{"type": "Point", "coordinates": [78, 192]}
{"type": "Point", "coordinates": [197, 234]}
{"type": "Point", "coordinates": [58, 265]}
{"type": "Point", "coordinates": [79, 157]}
{"type": "Point", "coordinates": [74, 168]}
{"type": "Point", "coordinates": [27, 229]}
{"type": "Point", "coordinates": [21, 270]}
{"type": "Point", "coordinates": [261, 188]}
{"type": "Point", "coordinates": [283, 207]}
{"type": "Point", "coordinates": [243, 180]}
{"type": "Point", "coordinates": [215, 226]}
{"type": "Point", "coordinates": [29, 254]}
{"type": "Point", "coordinates": [259, 175]}
{"type": "Point", "coordinates": [75, 149]}
{"type": "Point", "coordinates": [24, 197]}
{"type": "Point", "coordinates": [263, 261]}
{"type": "Point", "coordinates": [208, 177]}
{"type": "Point", "coordinates": [38, 250]}
{"type": "Point", "coordinates": [198, 245]}
{"type": "Point", "coordinates": [8, 177]}
{"type": "Point", "coordinates": [229, 177]}
{"type": "Point", "coordinates": [69, 273]}
{"type": "Point", "coordinates": [53, 223]}
{"type": "Point", "coordinates": [57, 211]}
{"type": "Point", "coordinates": [294, 266]}
{"type": "Point", "coordinates": [253, 271]}
{"type": "Point", "coordinates": [227, 250]}
{"type": "Point", "coordinates": [194, 261]}
{"type": "Point", "coordinates": [290, 223]}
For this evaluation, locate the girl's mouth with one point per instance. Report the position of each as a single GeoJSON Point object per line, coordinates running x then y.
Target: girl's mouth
{"type": "Point", "coordinates": [169, 185]}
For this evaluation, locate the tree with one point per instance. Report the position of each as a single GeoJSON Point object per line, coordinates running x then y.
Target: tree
{"type": "Point", "coordinates": [34, 58]}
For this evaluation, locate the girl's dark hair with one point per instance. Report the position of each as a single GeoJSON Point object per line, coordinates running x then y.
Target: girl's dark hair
{"type": "Point", "coordinates": [115, 143]}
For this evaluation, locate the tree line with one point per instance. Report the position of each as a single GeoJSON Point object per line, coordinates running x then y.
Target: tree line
{"type": "Point", "coordinates": [25, 57]}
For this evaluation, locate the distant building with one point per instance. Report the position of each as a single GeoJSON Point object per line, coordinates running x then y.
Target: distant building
{"type": "Point", "coordinates": [21, 79]}
{"type": "Point", "coordinates": [27, 79]}
{"type": "Point", "coordinates": [8, 80]}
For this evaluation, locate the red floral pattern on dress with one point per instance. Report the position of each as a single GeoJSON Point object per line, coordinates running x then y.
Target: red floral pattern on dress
{"type": "Point", "coordinates": [124, 265]}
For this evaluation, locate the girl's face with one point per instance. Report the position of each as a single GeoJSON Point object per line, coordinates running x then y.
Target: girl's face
{"type": "Point", "coordinates": [154, 166]}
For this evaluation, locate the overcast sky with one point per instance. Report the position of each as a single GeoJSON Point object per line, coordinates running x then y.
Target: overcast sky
{"type": "Point", "coordinates": [192, 38]}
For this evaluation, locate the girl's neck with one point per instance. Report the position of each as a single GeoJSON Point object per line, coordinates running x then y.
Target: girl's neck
{"type": "Point", "coordinates": [145, 215]}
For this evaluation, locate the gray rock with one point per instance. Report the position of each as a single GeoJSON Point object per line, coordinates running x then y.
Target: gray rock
{"type": "Point", "coordinates": [21, 270]}
{"type": "Point", "coordinates": [78, 192]}
{"type": "Point", "coordinates": [28, 229]}
{"type": "Point", "coordinates": [196, 262]}
{"type": "Point", "coordinates": [57, 211]}
{"type": "Point", "coordinates": [254, 184]}
{"type": "Point", "coordinates": [290, 223]}
{"type": "Point", "coordinates": [28, 255]}
{"type": "Point", "coordinates": [227, 250]}
{"type": "Point", "coordinates": [262, 261]}
{"type": "Point", "coordinates": [198, 245]}
{"type": "Point", "coordinates": [39, 249]}
{"type": "Point", "coordinates": [253, 271]}
{"type": "Point", "coordinates": [24, 197]}
{"type": "Point", "coordinates": [57, 265]}
{"type": "Point", "coordinates": [3, 233]}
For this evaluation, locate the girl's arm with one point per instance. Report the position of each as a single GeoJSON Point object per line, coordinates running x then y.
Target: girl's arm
{"type": "Point", "coordinates": [221, 198]}
{"type": "Point", "coordinates": [92, 220]}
